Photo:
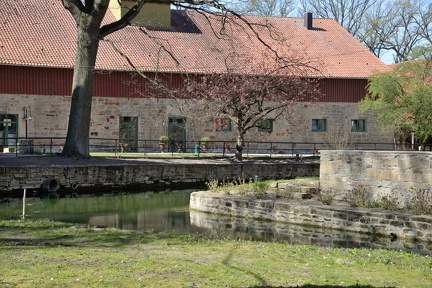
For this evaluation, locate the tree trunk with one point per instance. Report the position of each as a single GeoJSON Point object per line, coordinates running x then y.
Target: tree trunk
{"type": "Point", "coordinates": [239, 147]}
{"type": "Point", "coordinates": [77, 141]}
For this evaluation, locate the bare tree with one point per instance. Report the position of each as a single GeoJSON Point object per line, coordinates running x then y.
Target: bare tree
{"type": "Point", "coordinates": [253, 100]}
{"type": "Point", "coordinates": [338, 137]}
{"type": "Point", "coordinates": [424, 21]}
{"type": "Point", "coordinates": [397, 27]}
{"type": "Point", "coordinates": [348, 13]}
{"type": "Point", "coordinates": [378, 28]}
{"type": "Point", "coordinates": [406, 35]}
{"type": "Point", "coordinates": [89, 15]}
{"type": "Point", "coordinates": [281, 8]}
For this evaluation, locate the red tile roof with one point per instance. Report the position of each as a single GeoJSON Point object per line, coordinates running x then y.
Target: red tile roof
{"type": "Point", "coordinates": [43, 33]}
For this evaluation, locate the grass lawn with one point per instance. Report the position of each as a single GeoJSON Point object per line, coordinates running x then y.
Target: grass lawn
{"type": "Point", "coordinates": [52, 254]}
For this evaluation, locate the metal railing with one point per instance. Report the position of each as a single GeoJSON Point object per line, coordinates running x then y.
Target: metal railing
{"type": "Point", "coordinates": [148, 147]}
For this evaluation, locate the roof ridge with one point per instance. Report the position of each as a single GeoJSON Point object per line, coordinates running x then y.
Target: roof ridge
{"type": "Point", "coordinates": [206, 50]}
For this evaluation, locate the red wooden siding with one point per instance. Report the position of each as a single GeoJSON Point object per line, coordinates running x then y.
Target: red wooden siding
{"type": "Point", "coordinates": [342, 90]}
{"type": "Point", "coordinates": [58, 81]}
{"type": "Point", "coordinates": [133, 85]}
{"type": "Point", "coordinates": [35, 81]}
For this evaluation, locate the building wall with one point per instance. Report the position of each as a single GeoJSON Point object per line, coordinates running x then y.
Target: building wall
{"type": "Point", "coordinates": [126, 94]}
{"type": "Point", "coordinates": [50, 117]}
{"type": "Point", "coordinates": [126, 84]}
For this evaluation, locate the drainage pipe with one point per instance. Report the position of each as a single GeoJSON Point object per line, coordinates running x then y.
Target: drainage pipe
{"type": "Point", "coordinates": [50, 185]}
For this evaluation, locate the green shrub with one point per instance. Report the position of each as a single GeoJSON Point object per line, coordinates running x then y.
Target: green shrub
{"type": "Point", "coordinates": [326, 197]}
{"type": "Point", "coordinates": [389, 203]}
{"type": "Point", "coordinates": [421, 201]}
{"type": "Point", "coordinates": [212, 185]}
{"type": "Point", "coordinates": [373, 204]}
{"type": "Point", "coordinates": [259, 189]}
{"type": "Point", "coordinates": [205, 140]}
{"type": "Point", "coordinates": [358, 197]}
{"type": "Point", "coordinates": [239, 186]}
{"type": "Point", "coordinates": [163, 139]}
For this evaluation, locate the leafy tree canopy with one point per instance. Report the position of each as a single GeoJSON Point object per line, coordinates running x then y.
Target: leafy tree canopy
{"type": "Point", "coordinates": [402, 99]}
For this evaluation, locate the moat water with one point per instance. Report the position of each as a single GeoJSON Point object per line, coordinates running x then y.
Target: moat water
{"type": "Point", "coordinates": [169, 211]}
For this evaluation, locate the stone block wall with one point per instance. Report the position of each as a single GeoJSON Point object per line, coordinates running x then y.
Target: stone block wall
{"type": "Point", "coordinates": [51, 113]}
{"type": "Point", "coordinates": [381, 173]}
{"type": "Point", "coordinates": [148, 174]}
{"type": "Point", "coordinates": [253, 229]}
{"type": "Point", "coordinates": [372, 222]}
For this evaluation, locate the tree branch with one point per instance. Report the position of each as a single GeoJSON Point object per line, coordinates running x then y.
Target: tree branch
{"type": "Point", "coordinates": [75, 7]}
{"type": "Point", "coordinates": [123, 21]}
{"type": "Point", "coordinates": [161, 45]}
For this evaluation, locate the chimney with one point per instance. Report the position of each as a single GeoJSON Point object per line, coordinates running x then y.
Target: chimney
{"type": "Point", "coordinates": [153, 14]}
{"type": "Point", "coordinates": [308, 20]}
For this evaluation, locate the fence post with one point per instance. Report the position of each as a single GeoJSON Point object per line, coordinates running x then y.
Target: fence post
{"type": "Point", "coordinates": [271, 149]}
{"type": "Point", "coordinates": [144, 148]}
{"type": "Point", "coordinates": [247, 151]}
{"type": "Point", "coordinates": [16, 147]}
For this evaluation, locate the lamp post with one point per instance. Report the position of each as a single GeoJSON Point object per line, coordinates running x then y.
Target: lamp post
{"type": "Point", "coordinates": [27, 117]}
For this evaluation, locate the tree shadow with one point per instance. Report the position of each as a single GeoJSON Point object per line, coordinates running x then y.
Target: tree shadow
{"type": "Point", "coordinates": [227, 260]}
{"type": "Point", "coordinates": [324, 286]}
{"type": "Point", "coordinates": [263, 282]}
{"type": "Point", "coordinates": [17, 233]}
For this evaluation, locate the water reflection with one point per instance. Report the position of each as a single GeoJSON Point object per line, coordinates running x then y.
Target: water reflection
{"type": "Point", "coordinates": [250, 229]}
{"type": "Point", "coordinates": [162, 211]}
{"type": "Point", "coordinates": [169, 211]}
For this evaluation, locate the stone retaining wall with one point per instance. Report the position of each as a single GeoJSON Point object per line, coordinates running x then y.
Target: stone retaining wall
{"type": "Point", "coordinates": [12, 178]}
{"type": "Point", "coordinates": [381, 173]}
{"type": "Point", "coordinates": [390, 225]}
{"type": "Point", "coordinates": [253, 229]}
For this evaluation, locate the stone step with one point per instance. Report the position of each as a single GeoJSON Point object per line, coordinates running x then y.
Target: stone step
{"type": "Point", "coordinates": [307, 182]}
{"type": "Point", "coordinates": [296, 182]}
{"type": "Point", "coordinates": [295, 192]}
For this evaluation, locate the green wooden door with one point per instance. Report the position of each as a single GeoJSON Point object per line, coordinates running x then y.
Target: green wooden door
{"type": "Point", "coordinates": [177, 134]}
{"type": "Point", "coordinates": [8, 129]}
{"type": "Point", "coordinates": [128, 133]}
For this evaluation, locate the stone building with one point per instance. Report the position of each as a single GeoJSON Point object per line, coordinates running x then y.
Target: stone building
{"type": "Point", "coordinates": [37, 51]}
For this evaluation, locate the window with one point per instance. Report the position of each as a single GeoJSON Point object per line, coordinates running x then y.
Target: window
{"type": "Point", "coordinates": [319, 125]}
{"type": "Point", "coordinates": [177, 120]}
{"type": "Point", "coordinates": [266, 125]}
{"type": "Point", "coordinates": [223, 124]}
{"type": "Point", "coordinates": [358, 125]}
